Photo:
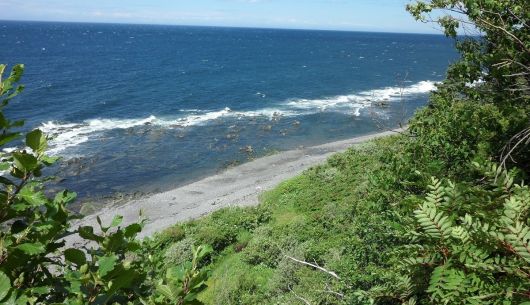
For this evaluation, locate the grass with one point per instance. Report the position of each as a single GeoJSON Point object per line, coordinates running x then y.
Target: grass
{"type": "Point", "coordinates": [339, 215]}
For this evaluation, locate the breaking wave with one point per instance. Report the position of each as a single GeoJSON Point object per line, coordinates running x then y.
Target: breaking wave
{"type": "Point", "coordinates": [66, 135]}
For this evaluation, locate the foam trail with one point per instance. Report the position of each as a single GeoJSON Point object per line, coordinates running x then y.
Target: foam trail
{"type": "Point", "coordinates": [73, 134]}
{"type": "Point", "coordinates": [362, 99]}
{"type": "Point", "coordinates": [69, 135]}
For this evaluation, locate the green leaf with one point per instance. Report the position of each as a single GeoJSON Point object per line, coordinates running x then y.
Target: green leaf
{"type": "Point", "coordinates": [25, 162]}
{"type": "Point", "coordinates": [74, 278]}
{"type": "Point", "coordinates": [49, 160]}
{"type": "Point", "coordinates": [4, 166]}
{"type": "Point", "coordinates": [16, 73]}
{"type": "Point", "coordinates": [116, 221]}
{"type": "Point", "coordinates": [124, 279]}
{"type": "Point", "coordinates": [177, 273]}
{"type": "Point", "coordinates": [88, 233]}
{"type": "Point", "coordinates": [36, 140]}
{"type": "Point", "coordinates": [33, 197]}
{"type": "Point", "coordinates": [114, 242]}
{"type": "Point", "coordinates": [106, 264]}
{"type": "Point", "coordinates": [5, 285]}
{"type": "Point", "coordinates": [8, 137]}
{"type": "Point", "coordinates": [165, 290]}
{"type": "Point", "coordinates": [75, 256]}
{"type": "Point", "coordinates": [202, 251]}
{"type": "Point", "coordinates": [132, 229]}
{"type": "Point", "coordinates": [43, 290]}
{"type": "Point", "coordinates": [31, 248]}
{"type": "Point", "coordinates": [65, 197]}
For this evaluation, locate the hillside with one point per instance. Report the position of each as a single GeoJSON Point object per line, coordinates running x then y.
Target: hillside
{"type": "Point", "coordinates": [435, 215]}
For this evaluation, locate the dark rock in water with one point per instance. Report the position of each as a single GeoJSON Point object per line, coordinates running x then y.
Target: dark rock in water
{"type": "Point", "coordinates": [230, 164]}
{"type": "Point", "coordinates": [276, 116]}
{"type": "Point", "coordinates": [381, 104]}
{"type": "Point", "coordinates": [247, 149]}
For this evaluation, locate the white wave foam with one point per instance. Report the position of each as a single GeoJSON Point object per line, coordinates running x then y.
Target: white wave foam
{"type": "Point", "coordinates": [393, 93]}
{"type": "Point", "coordinates": [71, 134]}
{"type": "Point", "coordinates": [196, 119]}
{"type": "Point", "coordinates": [362, 99]}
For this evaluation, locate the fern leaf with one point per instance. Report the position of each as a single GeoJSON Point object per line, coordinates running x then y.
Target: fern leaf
{"type": "Point", "coordinates": [519, 239]}
{"type": "Point", "coordinates": [461, 234]}
{"type": "Point", "coordinates": [435, 224]}
{"type": "Point", "coordinates": [426, 260]}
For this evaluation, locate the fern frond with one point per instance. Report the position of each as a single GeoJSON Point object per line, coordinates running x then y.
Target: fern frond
{"type": "Point", "coordinates": [472, 254]}
{"type": "Point", "coordinates": [435, 224]}
{"type": "Point", "coordinates": [424, 260]}
{"type": "Point", "coordinates": [499, 264]}
{"type": "Point", "coordinates": [399, 289]}
{"type": "Point", "coordinates": [461, 234]}
{"type": "Point", "coordinates": [435, 196]}
{"type": "Point", "coordinates": [446, 284]}
{"type": "Point", "coordinates": [513, 209]}
{"type": "Point", "coordinates": [519, 239]}
{"type": "Point", "coordinates": [411, 301]}
{"type": "Point", "coordinates": [452, 196]}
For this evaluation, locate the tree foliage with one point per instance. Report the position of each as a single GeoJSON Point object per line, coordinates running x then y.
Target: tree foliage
{"type": "Point", "coordinates": [492, 77]}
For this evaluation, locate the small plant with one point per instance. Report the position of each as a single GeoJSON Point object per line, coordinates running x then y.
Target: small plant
{"type": "Point", "coordinates": [183, 284]}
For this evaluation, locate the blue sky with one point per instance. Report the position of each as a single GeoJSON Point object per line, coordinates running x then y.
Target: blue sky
{"type": "Point", "coordinates": [361, 15]}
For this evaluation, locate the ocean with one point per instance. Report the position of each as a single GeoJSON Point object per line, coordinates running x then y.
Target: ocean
{"type": "Point", "coordinates": [145, 108]}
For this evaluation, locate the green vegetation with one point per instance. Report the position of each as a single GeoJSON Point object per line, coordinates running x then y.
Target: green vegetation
{"type": "Point", "coordinates": [373, 225]}
{"type": "Point", "coordinates": [438, 215]}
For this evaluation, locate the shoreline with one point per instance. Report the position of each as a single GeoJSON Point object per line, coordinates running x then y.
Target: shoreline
{"type": "Point", "coordinates": [240, 186]}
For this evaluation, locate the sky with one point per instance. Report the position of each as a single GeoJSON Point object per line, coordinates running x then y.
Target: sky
{"type": "Point", "coordinates": [355, 15]}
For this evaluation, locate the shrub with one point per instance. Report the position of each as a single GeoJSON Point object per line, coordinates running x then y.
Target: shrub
{"type": "Point", "coordinates": [219, 236]}
{"type": "Point", "coordinates": [179, 252]}
{"type": "Point", "coordinates": [171, 235]}
{"type": "Point", "coordinates": [454, 132]}
{"type": "Point", "coordinates": [241, 218]}
{"type": "Point", "coordinates": [492, 75]}
{"type": "Point", "coordinates": [469, 245]}
{"type": "Point", "coordinates": [473, 242]}
{"type": "Point", "coordinates": [263, 248]}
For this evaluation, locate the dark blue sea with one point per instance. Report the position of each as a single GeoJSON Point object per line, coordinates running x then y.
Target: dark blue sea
{"type": "Point", "coordinates": [142, 108]}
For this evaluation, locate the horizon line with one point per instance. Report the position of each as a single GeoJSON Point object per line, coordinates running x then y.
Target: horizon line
{"type": "Point", "coordinates": [224, 26]}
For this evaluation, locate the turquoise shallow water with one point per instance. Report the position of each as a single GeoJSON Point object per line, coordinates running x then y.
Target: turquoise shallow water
{"type": "Point", "coordinates": [138, 108]}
